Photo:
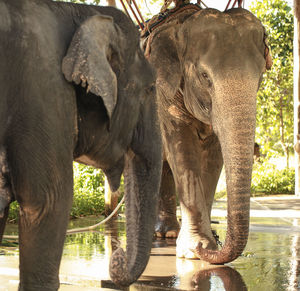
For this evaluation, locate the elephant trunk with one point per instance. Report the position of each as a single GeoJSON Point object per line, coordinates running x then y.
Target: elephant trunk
{"type": "Point", "coordinates": [142, 176]}
{"type": "Point", "coordinates": [234, 122]}
{"type": "Point", "coordinates": [141, 209]}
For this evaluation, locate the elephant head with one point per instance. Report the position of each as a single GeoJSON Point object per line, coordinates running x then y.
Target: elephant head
{"type": "Point", "coordinates": [214, 62]}
{"type": "Point", "coordinates": [122, 78]}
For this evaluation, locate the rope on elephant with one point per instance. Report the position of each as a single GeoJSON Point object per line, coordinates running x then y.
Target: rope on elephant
{"type": "Point", "coordinates": [82, 229]}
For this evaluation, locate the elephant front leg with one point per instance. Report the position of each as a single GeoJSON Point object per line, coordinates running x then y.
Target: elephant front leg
{"type": "Point", "coordinates": [43, 187]}
{"type": "Point", "coordinates": [167, 224]}
{"type": "Point", "coordinates": [195, 224]}
{"type": "Point", "coordinates": [42, 232]}
{"type": "Point", "coordinates": [196, 164]}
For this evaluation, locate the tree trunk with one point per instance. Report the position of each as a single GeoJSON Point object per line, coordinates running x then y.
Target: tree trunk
{"type": "Point", "coordinates": [282, 133]}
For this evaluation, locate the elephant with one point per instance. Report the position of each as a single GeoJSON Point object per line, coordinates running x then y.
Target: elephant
{"type": "Point", "coordinates": [209, 67]}
{"type": "Point", "coordinates": [75, 86]}
{"type": "Point", "coordinates": [231, 279]}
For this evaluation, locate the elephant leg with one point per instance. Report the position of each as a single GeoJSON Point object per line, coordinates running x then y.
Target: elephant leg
{"type": "Point", "coordinates": [42, 229]}
{"type": "Point", "coordinates": [3, 220]}
{"type": "Point", "coordinates": [42, 178]}
{"type": "Point", "coordinates": [167, 224]}
{"type": "Point", "coordinates": [211, 166]}
{"type": "Point", "coordinates": [188, 155]}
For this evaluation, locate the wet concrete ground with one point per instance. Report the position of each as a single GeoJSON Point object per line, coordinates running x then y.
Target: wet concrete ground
{"type": "Point", "coordinates": [271, 260]}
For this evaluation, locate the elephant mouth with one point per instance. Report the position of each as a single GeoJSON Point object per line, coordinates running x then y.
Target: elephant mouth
{"type": "Point", "coordinates": [195, 105]}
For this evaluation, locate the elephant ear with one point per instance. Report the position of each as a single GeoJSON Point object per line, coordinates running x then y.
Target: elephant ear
{"type": "Point", "coordinates": [90, 57]}
{"type": "Point", "coordinates": [267, 52]}
{"type": "Point", "coordinates": [164, 58]}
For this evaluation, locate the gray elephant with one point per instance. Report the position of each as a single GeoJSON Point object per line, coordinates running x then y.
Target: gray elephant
{"type": "Point", "coordinates": [209, 67]}
{"type": "Point", "coordinates": [74, 84]}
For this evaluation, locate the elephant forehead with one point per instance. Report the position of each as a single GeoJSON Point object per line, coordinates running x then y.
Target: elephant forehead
{"type": "Point", "coordinates": [215, 18]}
{"type": "Point", "coordinates": [225, 45]}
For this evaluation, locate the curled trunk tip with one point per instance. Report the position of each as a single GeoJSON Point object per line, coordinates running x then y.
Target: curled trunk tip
{"type": "Point", "coordinates": [214, 257]}
{"type": "Point", "coordinates": [227, 254]}
{"type": "Point", "coordinates": [118, 269]}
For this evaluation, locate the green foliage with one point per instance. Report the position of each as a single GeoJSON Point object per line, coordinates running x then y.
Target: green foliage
{"type": "Point", "coordinates": [278, 19]}
{"type": "Point", "coordinates": [220, 194]}
{"type": "Point", "coordinates": [88, 191]}
{"type": "Point", "coordinates": [275, 97]}
{"type": "Point", "coordinates": [267, 179]}
{"type": "Point", "coordinates": [13, 211]}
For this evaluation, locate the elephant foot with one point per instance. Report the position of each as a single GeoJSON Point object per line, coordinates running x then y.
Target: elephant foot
{"type": "Point", "coordinates": [167, 226]}
{"type": "Point", "coordinates": [168, 234]}
{"type": "Point", "coordinates": [187, 243]}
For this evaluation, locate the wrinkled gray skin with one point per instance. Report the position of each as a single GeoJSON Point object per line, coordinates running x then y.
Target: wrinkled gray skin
{"type": "Point", "coordinates": [209, 66]}
{"type": "Point", "coordinates": [47, 121]}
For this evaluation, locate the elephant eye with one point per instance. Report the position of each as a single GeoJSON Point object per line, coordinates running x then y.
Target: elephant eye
{"type": "Point", "coordinates": [207, 79]}
{"type": "Point", "coordinates": [151, 89]}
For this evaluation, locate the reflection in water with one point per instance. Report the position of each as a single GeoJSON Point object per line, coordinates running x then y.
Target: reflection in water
{"type": "Point", "coordinates": [166, 272]}
{"type": "Point", "coordinates": [270, 262]}
{"type": "Point", "coordinates": [231, 279]}
{"type": "Point", "coordinates": [209, 278]}
{"type": "Point", "coordinates": [294, 283]}
{"type": "Point", "coordinates": [95, 243]}
{"type": "Point", "coordinates": [111, 240]}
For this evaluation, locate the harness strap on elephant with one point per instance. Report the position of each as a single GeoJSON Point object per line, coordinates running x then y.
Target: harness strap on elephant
{"type": "Point", "coordinates": [165, 15]}
{"type": "Point", "coordinates": [162, 18]}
